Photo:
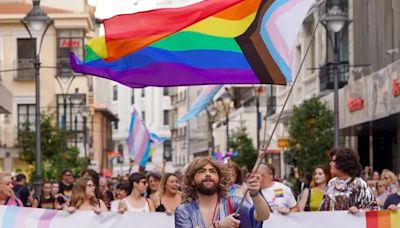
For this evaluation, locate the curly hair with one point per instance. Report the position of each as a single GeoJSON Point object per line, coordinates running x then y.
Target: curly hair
{"type": "Point", "coordinates": [189, 191]}
{"type": "Point", "coordinates": [79, 193]}
{"type": "Point", "coordinates": [347, 161]}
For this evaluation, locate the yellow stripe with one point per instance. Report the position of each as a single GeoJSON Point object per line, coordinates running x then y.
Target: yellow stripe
{"type": "Point", "coordinates": [212, 26]}
{"type": "Point", "coordinates": [395, 219]}
{"type": "Point", "coordinates": [98, 45]}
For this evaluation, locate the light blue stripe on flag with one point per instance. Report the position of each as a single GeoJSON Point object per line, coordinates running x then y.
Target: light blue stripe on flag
{"type": "Point", "coordinates": [201, 103]}
{"type": "Point", "coordinates": [10, 217]}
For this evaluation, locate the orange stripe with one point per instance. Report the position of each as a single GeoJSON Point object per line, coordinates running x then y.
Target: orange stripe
{"type": "Point", "coordinates": [372, 219]}
{"type": "Point", "coordinates": [384, 219]}
{"type": "Point", "coordinates": [239, 11]}
{"type": "Point", "coordinates": [127, 46]}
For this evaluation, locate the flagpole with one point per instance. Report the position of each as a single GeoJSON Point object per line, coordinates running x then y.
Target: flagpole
{"type": "Point", "coordinates": [262, 151]}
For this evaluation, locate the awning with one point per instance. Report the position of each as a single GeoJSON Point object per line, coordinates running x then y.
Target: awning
{"type": "Point", "coordinates": [5, 100]}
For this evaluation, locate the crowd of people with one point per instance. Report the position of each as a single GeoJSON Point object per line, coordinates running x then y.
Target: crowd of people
{"type": "Point", "coordinates": [209, 193]}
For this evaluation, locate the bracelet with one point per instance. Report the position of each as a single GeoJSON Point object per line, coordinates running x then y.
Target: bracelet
{"type": "Point", "coordinates": [256, 194]}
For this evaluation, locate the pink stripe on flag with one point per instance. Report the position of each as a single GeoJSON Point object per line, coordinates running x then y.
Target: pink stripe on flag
{"type": "Point", "coordinates": [275, 34]}
{"type": "Point", "coordinates": [21, 217]}
{"type": "Point", "coordinates": [46, 218]}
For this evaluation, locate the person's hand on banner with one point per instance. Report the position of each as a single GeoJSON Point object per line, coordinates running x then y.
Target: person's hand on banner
{"type": "Point", "coordinates": [394, 207]}
{"type": "Point", "coordinates": [353, 210]}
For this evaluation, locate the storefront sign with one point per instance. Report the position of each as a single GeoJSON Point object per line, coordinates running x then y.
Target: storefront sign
{"type": "Point", "coordinates": [395, 88]}
{"type": "Point", "coordinates": [355, 104]}
{"type": "Point", "coordinates": [283, 143]}
{"type": "Point", "coordinates": [70, 43]}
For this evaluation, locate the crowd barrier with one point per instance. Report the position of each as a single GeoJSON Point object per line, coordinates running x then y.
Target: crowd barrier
{"type": "Point", "coordinates": [19, 217]}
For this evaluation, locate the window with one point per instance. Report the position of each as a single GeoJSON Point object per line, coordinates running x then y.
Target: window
{"type": "Point", "coordinates": [68, 40]}
{"type": "Point", "coordinates": [165, 91]}
{"type": "Point", "coordinates": [143, 116]}
{"type": "Point", "coordinates": [26, 115]}
{"type": "Point", "coordinates": [25, 57]}
{"type": "Point", "coordinates": [115, 92]}
{"type": "Point", "coordinates": [166, 117]}
{"type": "Point", "coordinates": [143, 92]}
{"type": "Point", "coordinates": [133, 96]}
{"type": "Point", "coordinates": [68, 110]}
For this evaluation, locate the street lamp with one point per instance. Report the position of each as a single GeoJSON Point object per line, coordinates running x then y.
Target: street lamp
{"type": "Point", "coordinates": [35, 21]}
{"type": "Point", "coordinates": [64, 92]}
{"type": "Point", "coordinates": [335, 20]}
{"type": "Point", "coordinates": [212, 112]}
{"type": "Point", "coordinates": [258, 92]}
{"type": "Point", "coordinates": [76, 100]}
{"type": "Point", "coordinates": [226, 100]}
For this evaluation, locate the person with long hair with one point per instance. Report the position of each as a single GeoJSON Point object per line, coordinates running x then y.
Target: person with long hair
{"type": "Point", "coordinates": [84, 198]}
{"type": "Point", "coordinates": [207, 204]}
{"type": "Point", "coordinates": [168, 197]}
{"type": "Point", "coordinates": [46, 200]}
{"type": "Point", "coordinates": [347, 190]}
{"type": "Point", "coordinates": [135, 201]}
{"type": "Point", "coordinates": [153, 184]}
{"type": "Point", "coordinates": [390, 180]}
{"type": "Point", "coordinates": [311, 198]}
{"type": "Point", "coordinates": [236, 186]}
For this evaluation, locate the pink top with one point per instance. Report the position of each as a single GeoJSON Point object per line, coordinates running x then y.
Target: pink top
{"type": "Point", "coordinates": [13, 202]}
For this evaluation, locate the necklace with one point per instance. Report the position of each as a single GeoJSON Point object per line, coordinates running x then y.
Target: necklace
{"type": "Point", "coordinates": [214, 212]}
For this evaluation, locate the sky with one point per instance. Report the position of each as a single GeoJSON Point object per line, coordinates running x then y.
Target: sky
{"type": "Point", "coordinates": [108, 8]}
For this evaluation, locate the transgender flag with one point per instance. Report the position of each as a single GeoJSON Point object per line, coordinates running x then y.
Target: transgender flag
{"type": "Point", "coordinates": [138, 140]}
{"type": "Point", "coordinates": [205, 97]}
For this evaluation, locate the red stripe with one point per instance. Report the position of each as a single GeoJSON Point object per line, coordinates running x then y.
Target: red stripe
{"type": "Point", "coordinates": [372, 219]}
{"type": "Point", "coordinates": [156, 24]}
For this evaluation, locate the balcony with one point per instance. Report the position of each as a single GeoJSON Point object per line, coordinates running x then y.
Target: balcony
{"type": "Point", "coordinates": [25, 70]}
{"type": "Point", "coordinates": [326, 75]}
{"type": "Point", "coordinates": [63, 68]}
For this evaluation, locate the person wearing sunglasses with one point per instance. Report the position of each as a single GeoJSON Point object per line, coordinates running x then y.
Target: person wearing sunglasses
{"type": "Point", "coordinates": [135, 201]}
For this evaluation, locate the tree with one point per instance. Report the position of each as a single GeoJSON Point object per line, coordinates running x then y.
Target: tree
{"type": "Point", "coordinates": [241, 142]}
{"type": "Point", "coordinates": [310, 135]}
{"type": "Point", "coordinates": [56, 154]}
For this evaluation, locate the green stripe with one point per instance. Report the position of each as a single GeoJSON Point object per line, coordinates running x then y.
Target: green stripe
{"type": "Point", "coordinates": [90, 55]}
{"type": "Point", "coordinates": [183, 41]}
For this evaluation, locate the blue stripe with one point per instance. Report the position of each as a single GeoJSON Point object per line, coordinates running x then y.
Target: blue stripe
{"type": "Point", "coordinates": [146, 155]}
{"type": "Point", "coordinates": [268, 42]}
{"type": "Point", "coordinates": [195, 58]}
{"type": "Point", "coordinates": [10, 216]}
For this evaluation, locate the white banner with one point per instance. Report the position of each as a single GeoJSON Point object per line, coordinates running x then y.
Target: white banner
{"type": "Point", "coordinates": [19, 217]}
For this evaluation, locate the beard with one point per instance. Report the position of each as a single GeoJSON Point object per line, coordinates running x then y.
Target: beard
{"type": "Point", "coordinates": [202, 189]}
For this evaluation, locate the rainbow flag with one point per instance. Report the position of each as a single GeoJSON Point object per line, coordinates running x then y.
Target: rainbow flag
{"type": "Point", "coordinates": [383, 219]}
{"type": "Point", "coordinates": [210, 42]}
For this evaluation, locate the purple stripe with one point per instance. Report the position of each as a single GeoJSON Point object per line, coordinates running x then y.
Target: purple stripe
{"type": "Point", "coordinates": [169, 74]}
{"type": "Point", "coordinates": [46, 218]}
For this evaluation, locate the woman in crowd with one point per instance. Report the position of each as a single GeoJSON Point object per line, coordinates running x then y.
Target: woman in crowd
{"type": "Point", "coordinates": [311, 199]}
{"type": "Point", "coordinates": [84, 197]}
{"type": "Point", "coordinates": [391, 181]}
{"type": "Point", "coordinates": [347, 191]}
{"type": "Point", "coordinates": [135, 201]}
{"type": "Point", "coordinates": [121, 192]}
{"type": "Point", "coordinates": [153, 180]}
{"type": "Point", "coordinates": [168, 197]}
{"type": "Point", "coordinates": [105, 194]}
{"type": "Point", "coordinates": [55, 188]}
{"type": "Point", "coordinates": [46, 199]}
{"type": "Point", "coordinates": [381, 193]}
{"type": "Point", "coordinates": [236, 186]}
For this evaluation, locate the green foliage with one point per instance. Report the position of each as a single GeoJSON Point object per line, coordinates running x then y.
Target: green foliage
{"type": "Point", "coordinates": [56, 154]}
{"type": "Point", "coordinates": [241, 142]}
{"type": "Point", "coordinates": [310, 135]}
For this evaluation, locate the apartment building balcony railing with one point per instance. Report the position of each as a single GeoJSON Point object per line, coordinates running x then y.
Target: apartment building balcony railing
{"type": "Point", "coordinates": [327, 74]}
{"type": "Point", "coordinates": [25, 70]}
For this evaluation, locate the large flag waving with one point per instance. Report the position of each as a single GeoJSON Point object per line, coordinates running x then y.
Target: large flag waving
{"type": "Point", "coordinates": [210, 42]}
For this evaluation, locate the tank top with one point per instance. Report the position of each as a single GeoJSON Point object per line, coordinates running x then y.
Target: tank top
{"type": "Point", "coordinates": [316, 199]}
{"type": "Point", "coordinates": [145, 208]}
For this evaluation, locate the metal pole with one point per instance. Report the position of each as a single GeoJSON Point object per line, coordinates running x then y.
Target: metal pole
{"type": "Point", "coordinates": [65, 112]}
{"type": "Point", "coordinates": [336, 91]}
{"type": "Point", "coordinates": [38, 155]}
{"type": "Point", "coordinates": [84, 136]}
{"type": "Point", "coordinates": [227, 131]}
{"type": "Point", "coordinates": [76, 130]}
{"type": "Point", "coordinates": [258, 121]}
